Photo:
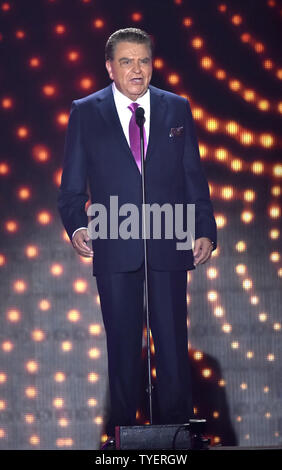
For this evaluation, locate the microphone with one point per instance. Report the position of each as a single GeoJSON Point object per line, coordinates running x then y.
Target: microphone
{"type": "Point", "coordinates": [139, 116]}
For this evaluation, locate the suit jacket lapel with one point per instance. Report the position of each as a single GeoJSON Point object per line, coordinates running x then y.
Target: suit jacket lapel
{"type": "Point", "coordinates": [109, 112]}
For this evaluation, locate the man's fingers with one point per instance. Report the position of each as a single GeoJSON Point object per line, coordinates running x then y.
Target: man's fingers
{"type": "Point", "coordinates": [79, 243]}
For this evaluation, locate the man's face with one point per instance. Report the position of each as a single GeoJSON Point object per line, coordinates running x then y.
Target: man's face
{"type": "Point", "coordinates": [131, 69]}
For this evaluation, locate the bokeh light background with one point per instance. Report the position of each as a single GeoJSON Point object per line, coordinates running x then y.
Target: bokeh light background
{"type": "Point", "coordinates": [224, 56]}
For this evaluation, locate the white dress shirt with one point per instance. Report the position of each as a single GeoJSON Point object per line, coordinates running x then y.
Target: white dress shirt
{"type": "Point", "coordinates": [124, 113]}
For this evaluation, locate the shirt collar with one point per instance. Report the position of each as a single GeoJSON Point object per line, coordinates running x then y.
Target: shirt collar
{"type": "Point", "coordinates": [124, 101]}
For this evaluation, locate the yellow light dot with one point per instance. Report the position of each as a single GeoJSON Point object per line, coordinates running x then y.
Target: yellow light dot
{"type": "Point", "coordinates": [212, 125]}
{"type": "Point", "coordinates": [240, 246]}
{"type": "Point", "coordinates": [44, 217]}
{"type": "Point", "coordinates": [11, 226]}
{"type": "Point", "coordinates": [56, 269]}
{"type": "Point", "coordinates": [58, 402]}
{"type": "Point", "coordinates": [232, 127]}
{"type": "Point", "coordinates": [226, 328]}
{"type": "Point", "coordinates": [266, 389]}
{"type": "Point", "coordinates": [239, 419]}
{"type": "Point", "coordinates": [4, 168]}
{"type": "Point", "coordinates": [198, 113]}
{"type": "Point", "coordinates": [249, 195]}
{"type": "Point", "coordinates": [13, 315]}
{"type": "Point", "coordinates": [247, 216]}
{"type": "Point", "coordinates": [277, 170]}
{"type": "Point", "coordinates": [29, 418]}
{"type": "Point", "coordinates": [220, 220]}
{"type": "Point", "coordinates": [60, 29]}
{"type": "Point", "coordinates": [262, 317]}
{"type": "Point", "coordinates": [271, 357]}
{"type": "Point", "coordinates": [197, 43]}
{"type": "Point", "coordinates": [44, 305]}
{"type": "Point", "coordinates": [3, 377]}
{"type": "Point", "coordinates": [73, 315]}
{"type": "Point", "coordinates": [86, 83]}
{"type": "Point", "coordinates": [249, 354]}
{"type": "Point", "coordinates": [93, 353]}
{"type": "Point", "coordinates": [198, 355]}
{"type": "Point", "coordinates": [41, 153]}
{"type": "Point", "coordinates": [236, 164]}
{"type": "Point", "coordinates": [63, 422]}
{"type": "Point", "coordinates": [276, 190]}
{"type": "Point", "coordinates": [92, 402]}
{"type": "Point", "coordinates": [219, 311]}
{"type": "Point", "coordinates": [266, 140]}
{"type": "Point", "coordinates": [59, 377]}
{"type": "Point", "coordinates": [249, 95]}
{"type": "Point", "coordinates": [222, 383]}
{"type": "Point", "coordinates": [34, 439]}
{"type": "Point", "coordinates": [279, 272]}
{"type": "Point", "coordinates": [246, 138]}
{"type": "Point", "coordinates": [206, 62]}
{"type": "Point", "coordinates": [277, 326]}
{"type": "Point", "coordinates": [49, 90]}
{"type": "Point", "coordinates": [235, 345]}
{"type": "Point", "coordinates": [95, 329]}
{"type": "Point", "coordinates": [203, 150]}
{"type": "Point", "coordinates": [2, 405]}
{"type": "Point", "coordinates": [268, 64]}
{"type": "Point", "coordinates": [80, 286]}
{"type": "Point", "coordinates": [244, 386]}
{"type": "Point", "coordinates": [215, 414]}
{"type": "Point", "coordinates": [136, 16]}
{"type": "Point", "coordinates": [263, 105]}
{"type": "Point", "coordinates": [93, 377]}
{"type": "Point", "coordinates": [220, 74]}
{"type": "Point", "coordinates": [247, 284]}
{"type": "Point", "coordinates": [227, 192]}
{"type": "Point", "coordinates": [66, 346]}
{"type": "Point", "coordinates": [254, 300]}
{"type": "Point", "coordinates": [7, 346]}
{"type": "Point", "coordinates": [274, 256]}
{"type": "Point", "coordinates": [173, 78]}
{"type": "Point", "coordinates": [207, 373]}
{"type": "Point", "coordinates": [212, 295]}
{"type": "Point", "coordinates": [274, 212]}
{"type": "Point", "coordinates": [267, 415]}
{"type": "Point", "coordinates": [241, 269]}
{"type": "Point", "coordinates": [31, 251]}
{"type": "Point", "coordinates": [158, 63]}
{"type": "Point", "coordinates": [31, 392]}
{"type": "Point", "coordinates": [98, 420]}
{"type": "Point", "coordinates": [22, 132]}
{"type": "Point", "coordinates": [212, 273]}
{"type": "Point", "coordinates": [221, 154]}
{"type": "Point", "coordinates": [234, 85]}
{"type": "Point", "coordinates": [19, 286]}
{"type": "Point", "coordinates": [32, 366]}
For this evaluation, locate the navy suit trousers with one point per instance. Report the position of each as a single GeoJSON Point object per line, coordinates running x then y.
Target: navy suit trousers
{"type": "Point", "coordinates": [122, 304]}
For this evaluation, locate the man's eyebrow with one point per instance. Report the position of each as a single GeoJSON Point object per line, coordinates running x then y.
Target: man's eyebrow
{"type": "Point", "coordinates": [127, 58]}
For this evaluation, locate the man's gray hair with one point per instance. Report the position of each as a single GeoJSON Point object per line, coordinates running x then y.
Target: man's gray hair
{"type": "Point", "coordinates": [134, 35]}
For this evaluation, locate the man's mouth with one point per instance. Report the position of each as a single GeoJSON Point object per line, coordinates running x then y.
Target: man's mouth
{"type": "Point", "coordinates": [137, 80]}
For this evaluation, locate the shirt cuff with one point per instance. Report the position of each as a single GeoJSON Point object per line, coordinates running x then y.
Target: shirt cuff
{"type": "Point", "coordinates": [80, 228]}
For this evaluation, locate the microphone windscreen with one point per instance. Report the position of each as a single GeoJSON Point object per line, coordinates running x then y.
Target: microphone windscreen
{"type": "Point", "coordinates": [139, 116]}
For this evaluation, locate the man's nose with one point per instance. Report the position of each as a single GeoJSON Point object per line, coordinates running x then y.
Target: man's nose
{"type": "Point", "coordinates": [136, 67]}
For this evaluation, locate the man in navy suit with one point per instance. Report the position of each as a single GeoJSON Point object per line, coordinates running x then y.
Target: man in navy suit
{"type": "Point", "coordinates": [98, 152]}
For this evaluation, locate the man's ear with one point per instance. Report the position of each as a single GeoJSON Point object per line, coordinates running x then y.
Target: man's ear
{"type": "Point", "coordinates": [109, 68]}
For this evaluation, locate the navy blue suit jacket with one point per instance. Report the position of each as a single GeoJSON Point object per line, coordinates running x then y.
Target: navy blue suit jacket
{"type": "Point", "coordinates": [98, 160]}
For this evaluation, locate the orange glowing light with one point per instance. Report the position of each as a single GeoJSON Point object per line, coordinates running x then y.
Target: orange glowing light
{"type": "Point", "coordinates": [13, 315]}
{"type": "Point", "coordinates": [86, 83]}
{"type": "Point", "coordinates": [49, 90]}
{"type": "Point", "coordinates": [34, 62]}
{"type": "Point", "coordinates": [24, 193]}
{"type": "Point", "coordinates": [4, 168]}
{"type": "Point", "coordinates": [137, 16]}
{"type": "Point", "coordinates": [19, 286]}
{"type": "Point", "coordinates": [187, 22]}
{"type": "Point", "coordinates": [94, 329]}
{"type": "Point", "coordinates": [236, 20]}
{"type": "Point", "coordinates": [232, 127]}
{"type": "Point", "coordinates": [73, 315]}
{"type": "Point", "coordinates": [60, 29]}
{"type": "Point", "coordinates": [56, 269]}
{"type": "Point", "coordinates": [32, 366]}
{"type": "Point", "coordinates": [44, 217]}
{"type": "Point", "coordinates": [173, 78]}
{"type": "Point", "coordinates": [22, 132]}
{"type": "Point", "coordinates": [80, 286]}
{"type": "Point", "coordinates": [98, 23]}
{"type": "Point", "coordinates": [38, 335]}
{"type": "Point", "coordinates": [158, 63]}
{"type": "Point", "coordinates": [93, 377]}
{"type": "Point", "coordinates": [7, 103]}
{"type": "Point", "coordinates": [31, 392]}
{"type": "Point", "coordinates": [11, 226]}
{"type": "Point", "coordinates": [206, 62]}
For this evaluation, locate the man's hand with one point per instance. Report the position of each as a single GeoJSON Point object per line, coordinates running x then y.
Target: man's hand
{"type": "Point", "coordinates": [79, 241]}
{"type": "Point", "coordinates": [202, 250]}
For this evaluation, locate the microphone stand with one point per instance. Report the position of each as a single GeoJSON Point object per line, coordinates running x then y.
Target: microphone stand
{"type": "Point", "coordinates": [139, 115]}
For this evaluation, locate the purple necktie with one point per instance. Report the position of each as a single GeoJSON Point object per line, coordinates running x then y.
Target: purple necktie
{"type": "Point", "coordinates": [134, 136]}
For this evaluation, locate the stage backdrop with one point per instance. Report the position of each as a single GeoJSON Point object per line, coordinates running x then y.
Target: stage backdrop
{"type": "Point", "coordinates": [224, 57]}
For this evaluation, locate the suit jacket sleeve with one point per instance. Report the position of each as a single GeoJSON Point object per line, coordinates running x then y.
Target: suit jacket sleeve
{"type": "Point", "coordinates": [196, 183]}
{"type": "Point", "coordinates": [73, 193]}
